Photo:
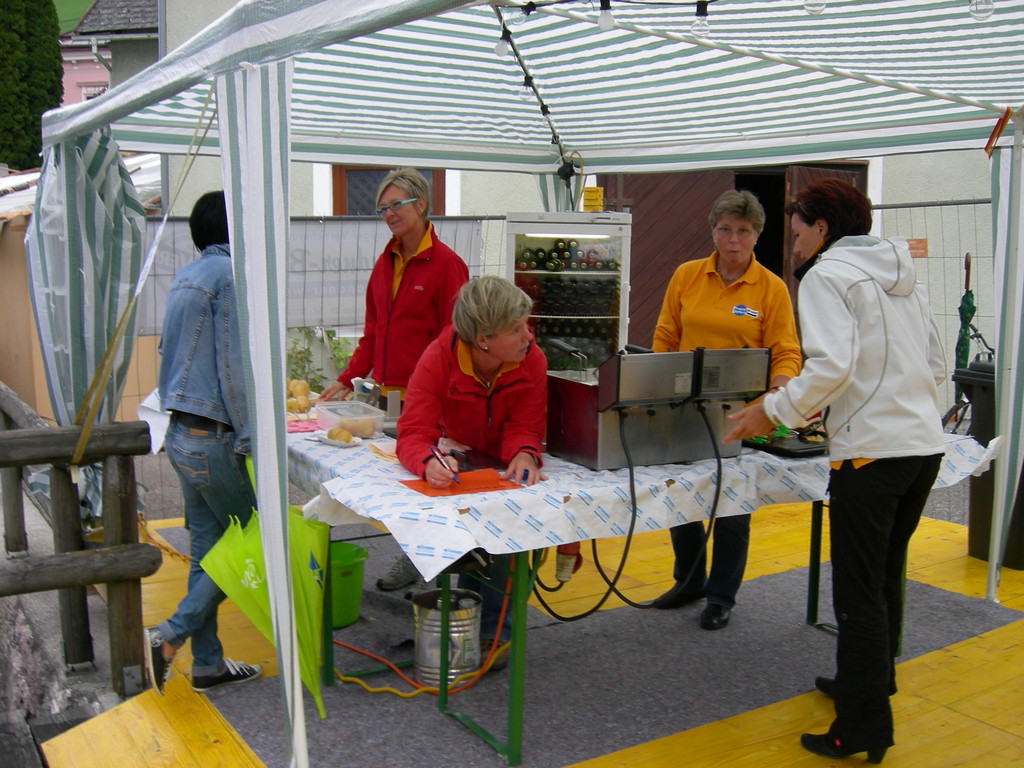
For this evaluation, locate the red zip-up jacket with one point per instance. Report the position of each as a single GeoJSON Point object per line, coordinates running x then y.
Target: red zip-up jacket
{"type": "Point", "coordinates": [442, 400]}
{"type": "Point", "coordinates": [397, 330]}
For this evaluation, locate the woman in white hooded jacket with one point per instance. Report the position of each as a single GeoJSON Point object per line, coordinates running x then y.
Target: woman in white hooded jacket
{"type": "Point", "coordinates": [873, 364]}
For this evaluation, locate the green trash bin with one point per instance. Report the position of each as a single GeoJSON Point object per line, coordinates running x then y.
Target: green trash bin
{"type": "Point", "coordinates": [346, 574]}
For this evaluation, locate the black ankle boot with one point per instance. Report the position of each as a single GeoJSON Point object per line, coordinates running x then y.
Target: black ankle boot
{"type": "Point", "coordinates": [824, 745]}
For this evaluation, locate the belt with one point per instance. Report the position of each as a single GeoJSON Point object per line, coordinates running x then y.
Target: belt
{"type": "Point", "coordinates": [195, 421]}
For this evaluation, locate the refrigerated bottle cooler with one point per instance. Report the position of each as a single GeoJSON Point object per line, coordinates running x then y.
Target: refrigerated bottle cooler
{"type": "Point", "coordinates": [575, 267]}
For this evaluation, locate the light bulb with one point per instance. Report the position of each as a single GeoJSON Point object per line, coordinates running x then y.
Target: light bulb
{"type": "Point", "coordinates": [518, 19]}
{"type": "Point", "coordinates": [501, 48]}
{"type": "Point", "coordinates": [814, 7]}
{"type": "Point", "coordinates": [700, 27]}
{"type": "Point", "coordinates": [982, 9]}
{"type": "Point", "coordinates": [605, 20]}
{"type": "Point", "coordinates": [526, 89]}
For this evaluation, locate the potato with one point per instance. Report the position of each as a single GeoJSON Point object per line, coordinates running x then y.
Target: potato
{"type": "Point", "coordinates": [359, 427]}
{"type": "Point", "coordinates": [303, 402]}
{"type": "Point", "coordinates": [339, 434]}
{"type": "Point", "coordinates": [292, 405]}
{"type": "Point", "coordinates": [298, 388]}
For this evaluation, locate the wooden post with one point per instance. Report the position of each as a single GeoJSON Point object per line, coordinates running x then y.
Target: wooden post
{"type": "Point", "coordinates": [15, 540]}
{"type": "Point", "coordinates": [67, 537]}
{"type": "Point", "coordinates": [124, 598]}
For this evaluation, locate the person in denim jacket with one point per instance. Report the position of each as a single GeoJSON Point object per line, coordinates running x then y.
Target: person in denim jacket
{"type": "Point", "coordinates": [201, 384]}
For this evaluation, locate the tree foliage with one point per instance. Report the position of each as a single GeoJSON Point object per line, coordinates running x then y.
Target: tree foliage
{"type": "Point", "coordinates": [32, 72]}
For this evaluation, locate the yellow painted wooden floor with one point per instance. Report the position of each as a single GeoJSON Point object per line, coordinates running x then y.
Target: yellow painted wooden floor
{"type": "Point", "coordinates": [959, 706]}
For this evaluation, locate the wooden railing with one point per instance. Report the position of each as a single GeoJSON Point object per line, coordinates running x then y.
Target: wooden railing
{"type": "Point", "coordinates": [26, 440]}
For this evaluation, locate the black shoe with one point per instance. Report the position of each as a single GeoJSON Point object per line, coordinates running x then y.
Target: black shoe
{"type": "Point", "coordinates": [826, 685]}
{"type": "Point", "coordinates": [676, 597]}
{"type": "Point", "coordinates": [824, 745]}
{"type": "Point", "coordinates": [234, 672]}
{"type": "Point", "coordinates": [714, 616]}
{"type": "Point", "coordinates": [158, 667]}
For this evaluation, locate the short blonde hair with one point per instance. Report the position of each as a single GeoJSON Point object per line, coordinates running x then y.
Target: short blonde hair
{"type": "Point", "coordinates": [411, 182]}
{"type": "Point", "coordinates": [742, 205]}
{"type": "Point", "coordinates": [487, 305]}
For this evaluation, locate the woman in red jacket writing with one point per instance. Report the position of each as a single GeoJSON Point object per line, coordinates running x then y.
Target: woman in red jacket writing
{"type": "Point", "coordinates": [481, 385]}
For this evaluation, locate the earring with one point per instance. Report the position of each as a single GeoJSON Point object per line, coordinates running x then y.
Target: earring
{"type": "Point", "coordinates": [487, 349]}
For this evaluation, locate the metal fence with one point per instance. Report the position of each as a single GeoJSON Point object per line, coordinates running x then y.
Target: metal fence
{"type": "Point", "coordinates": [946, 231]}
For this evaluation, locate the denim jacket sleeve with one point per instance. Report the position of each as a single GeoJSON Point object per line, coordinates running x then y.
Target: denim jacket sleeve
{"type": "Point", "coordinates": [230, 370]}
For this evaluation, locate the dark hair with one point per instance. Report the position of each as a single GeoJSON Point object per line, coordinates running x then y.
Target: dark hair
{"type": "Point", "coordinates": [208, 221]}
{"type": "Point", "coordinates": [845, 209]}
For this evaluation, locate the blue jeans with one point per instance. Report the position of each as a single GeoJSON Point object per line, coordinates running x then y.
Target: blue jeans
{"type": "Point", "coordinates": [730, 542]}
{"type": "Point", "coordinates": [492, 594]}
{"type": "Point", "coordinates": [215, 487]}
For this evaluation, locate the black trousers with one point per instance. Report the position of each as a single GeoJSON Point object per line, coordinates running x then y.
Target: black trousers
{"type": "Point", "coordinates": [730, 541]}
{"type": "Point", "coordinates": [873, 511]}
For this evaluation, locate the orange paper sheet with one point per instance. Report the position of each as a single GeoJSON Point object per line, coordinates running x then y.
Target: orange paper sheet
{"type": "Point", "coordinates": [477, 481]}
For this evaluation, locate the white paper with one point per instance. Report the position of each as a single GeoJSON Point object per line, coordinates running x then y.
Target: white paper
{"type": "Point", "coordinates": [150, 412]}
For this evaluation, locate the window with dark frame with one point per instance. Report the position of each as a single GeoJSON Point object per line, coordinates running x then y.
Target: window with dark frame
{"type": "Point", "coordinates": [355, 189]}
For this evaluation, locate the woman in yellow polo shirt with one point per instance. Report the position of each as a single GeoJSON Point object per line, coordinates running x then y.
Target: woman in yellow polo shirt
{"type": "Point", "coordinates": [725, 301]}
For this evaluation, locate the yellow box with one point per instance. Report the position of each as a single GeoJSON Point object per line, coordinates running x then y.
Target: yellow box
{"type": "Point", "coordinates": [593, 198]}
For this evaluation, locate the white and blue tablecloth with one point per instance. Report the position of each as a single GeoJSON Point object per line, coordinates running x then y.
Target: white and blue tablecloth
{"type": "Point", "coordinates": [573, 504]}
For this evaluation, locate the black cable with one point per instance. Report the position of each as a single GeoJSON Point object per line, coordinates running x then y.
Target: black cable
{"type": "Point", "coordinates": [625, 550]}
{"type": "Point", "coordinates": [707, 534]}
{"type": "Point", "coordinates": [612, 589]}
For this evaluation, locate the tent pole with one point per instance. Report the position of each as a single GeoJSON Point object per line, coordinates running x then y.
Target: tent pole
{"type": "Point", "coordinates": [1006, 467]}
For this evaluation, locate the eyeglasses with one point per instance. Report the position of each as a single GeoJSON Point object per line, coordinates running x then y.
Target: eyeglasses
{"type": "Point", "coordinates": [743, 233]}
{"type": "Point", "coordinates": [395, 206]}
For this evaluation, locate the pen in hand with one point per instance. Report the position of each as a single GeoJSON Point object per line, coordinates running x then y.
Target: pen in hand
{"type": "Point", "coordinates": [526, 476]}
{"type": "Point", "coordinates": [440, 457]}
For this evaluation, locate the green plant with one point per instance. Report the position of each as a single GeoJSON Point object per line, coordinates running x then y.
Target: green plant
{"type": "Point", "coordinates": [340, 348]}
{"type": "Point", "coordinates": [301, 364]}
{"type": "Point", "coordinates": [307, 350]}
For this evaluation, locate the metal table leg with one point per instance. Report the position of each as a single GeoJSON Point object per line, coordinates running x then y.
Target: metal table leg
{"type": "Point", "coordinates": [814, 567]}
{"type": "Point", "coordinates": [511, 748]}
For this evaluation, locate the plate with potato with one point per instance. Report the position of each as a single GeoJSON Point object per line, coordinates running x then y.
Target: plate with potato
{"type": "Point", "coordinates": [339, 437]}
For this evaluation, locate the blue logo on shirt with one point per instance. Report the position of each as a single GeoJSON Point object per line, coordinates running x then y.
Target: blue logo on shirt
{"type": "Point", "coordinates": [743, 311]}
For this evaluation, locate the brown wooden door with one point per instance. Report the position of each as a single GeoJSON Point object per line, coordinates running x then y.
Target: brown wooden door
{"type": "Point", "coordinates": [799, 177]}
{"type": "Point", "coordinates": [670, 226]}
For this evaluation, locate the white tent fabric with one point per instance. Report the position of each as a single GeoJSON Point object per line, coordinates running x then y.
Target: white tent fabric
{"type": "Point", "coordinates": [418, 82]}
{"type": "Point", "coordinates": [84, 254]}
{"type": "Point", "coordinates": [255, 175]}
{"type": "Point", "coordinates": [1009, 242]}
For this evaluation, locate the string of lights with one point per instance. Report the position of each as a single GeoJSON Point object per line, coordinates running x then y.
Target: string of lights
{"type": "Point", "coordinates": [980, 10]}
{"type": "Point", "coordinates": [504, 46]}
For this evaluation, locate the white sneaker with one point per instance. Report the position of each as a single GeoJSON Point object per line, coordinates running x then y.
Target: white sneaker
{"type": "Point", "coordinates": [402, 573]}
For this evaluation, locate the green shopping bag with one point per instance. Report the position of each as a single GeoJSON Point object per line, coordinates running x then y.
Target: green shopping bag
{"type": "Point", "coordinates": [236, 565]}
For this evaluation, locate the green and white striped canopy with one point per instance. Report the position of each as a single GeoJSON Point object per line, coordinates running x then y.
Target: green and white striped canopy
{"type": "Point", "coordinates": [420, 82]}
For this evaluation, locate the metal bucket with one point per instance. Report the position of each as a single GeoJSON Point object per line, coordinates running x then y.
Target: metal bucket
{"type": "Point", "coordinates": [463, 634]}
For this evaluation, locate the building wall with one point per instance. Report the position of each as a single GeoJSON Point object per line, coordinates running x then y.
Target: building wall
{"type": "Point", "coordinates": [129, 57]}
{"type": "Point", "coordinates": [84, 76]}
{"type": "Point", "coordinates": [21, 365]}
